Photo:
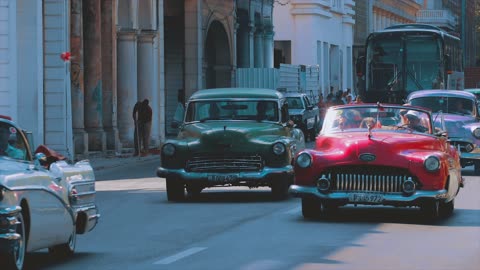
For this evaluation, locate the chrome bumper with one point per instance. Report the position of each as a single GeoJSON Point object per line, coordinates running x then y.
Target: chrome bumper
{"type": "Point", "coordinates": [239, 176]}
{"type": "Point", "coordinates": [8, 225]}
{"type": "Point", "coordinates": [92, 216]}
{"type": "Point", "coordinates": [302, 191]}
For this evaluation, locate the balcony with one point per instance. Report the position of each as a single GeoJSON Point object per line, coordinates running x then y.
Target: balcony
{"type": "Point", "coordinates": [441, 18]}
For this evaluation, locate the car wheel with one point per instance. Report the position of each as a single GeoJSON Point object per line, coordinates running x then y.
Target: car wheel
{"type": "Point", "coordinates": [67, 249]}
{"type": "Point", "coordinates": [446, 208]}
{"type": "Point", "coordinates": [311, 208]}
{"type": "Point", "coordinates": [175, 189]}
{"type": "Point", "coordinates": [431, 209]}
{"type": "Point", "coordinates": [15, 258]}
{"type": "Point", "coordinates": [477, 167]}
{"type": "Point", "coordinates": [280, 188]}
{"type": "Point", "coordinates": [193, 190]}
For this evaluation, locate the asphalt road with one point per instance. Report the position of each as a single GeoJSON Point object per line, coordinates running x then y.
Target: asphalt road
{"type": "Point", "coordinates": [238, 228]}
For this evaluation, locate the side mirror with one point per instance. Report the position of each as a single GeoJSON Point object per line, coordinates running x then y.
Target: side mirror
{"type": "Point", "coordinates": [309, 107]}
{"type": "Point", "coordinates": [40, 159]}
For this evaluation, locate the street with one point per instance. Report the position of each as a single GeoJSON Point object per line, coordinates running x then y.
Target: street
{"type": "Point", "coordinates": [238, 228]}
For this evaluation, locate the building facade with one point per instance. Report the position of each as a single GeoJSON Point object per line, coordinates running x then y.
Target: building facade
{"type": "Point", "coordinates": [122, 51]}
{"type": "Point", "coordinates": [317, 33]}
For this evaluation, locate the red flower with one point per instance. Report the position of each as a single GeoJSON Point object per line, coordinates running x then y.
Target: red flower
{"type": "Point", "coordinates": [66, 56]}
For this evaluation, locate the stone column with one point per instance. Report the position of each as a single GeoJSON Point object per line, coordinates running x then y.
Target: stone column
{"type": "Point", "coordinates": [126, 84]}
{"type": "Point", "coordinates": [80, 137]}
{"type": "Point", "coordinates": [268, 46]}
{"type": "Point", "coordinates": [146, 78]}
{"type": "Point", "coordinates": [243, 57]}
{"type": "Point", "coordinates": [193, 46]}
{"type": "Point", "coordinates": [109, 74]}
{"type": "Point", "coordinates": [93, 75]}
{"type": "Point", "coordinates": [259, 47]}
{"type": "Point", "coordinates": [251, 52]}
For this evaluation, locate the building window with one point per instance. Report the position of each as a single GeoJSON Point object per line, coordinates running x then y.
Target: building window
{"type": "Point", "coordinates": [337, 5]}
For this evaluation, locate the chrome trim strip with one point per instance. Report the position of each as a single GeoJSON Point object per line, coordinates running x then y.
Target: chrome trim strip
{"type": "Point", "coordinates": [10, 236]}
{"type": "Point", "coordinates": [9, 211]}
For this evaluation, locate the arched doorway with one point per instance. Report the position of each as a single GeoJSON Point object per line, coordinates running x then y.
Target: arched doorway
{"type": "Point", "coordinates": [217, 55]}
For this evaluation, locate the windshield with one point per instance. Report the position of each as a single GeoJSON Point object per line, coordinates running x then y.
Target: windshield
{"type": "Point", "coordinates": [214, 110]}
{"type": "Point", "coordinates": [378, 118]}
{"type": "Point", "coordinates": [453, 105]}
{"type": "Point", "coordinates": [294, 103]}
{"type": "Point", "coordinates": [404, 63]}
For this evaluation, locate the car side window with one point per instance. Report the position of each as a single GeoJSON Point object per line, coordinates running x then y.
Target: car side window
{"type": "Point", "coordinates": [12, 143]}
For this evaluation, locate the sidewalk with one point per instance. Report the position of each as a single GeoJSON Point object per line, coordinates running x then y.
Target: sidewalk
{"type": "Point", "coordinates": [112, 160]}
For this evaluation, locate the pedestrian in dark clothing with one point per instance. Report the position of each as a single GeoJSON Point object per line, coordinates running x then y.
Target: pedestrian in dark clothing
{"type": "Point", "coordinates": [145, 124]}
{"type": "Point", "coordinates": [136, 138]}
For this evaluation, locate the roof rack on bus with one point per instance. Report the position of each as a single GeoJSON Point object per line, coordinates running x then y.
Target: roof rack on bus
{"type": "Point", "coordinates": [415, 25]}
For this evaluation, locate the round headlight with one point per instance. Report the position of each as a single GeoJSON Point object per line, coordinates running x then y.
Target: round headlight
{"type": "Point", "coordinates": [304, 160]}
{"type": "Point", "coordinates": [278, 148]}
{"type": "Point", "coordinates": [432, 163]}
{"type": "Point", "coordinates": [168, 149]}
{"type": "Point", "coordinates": [476, 133]}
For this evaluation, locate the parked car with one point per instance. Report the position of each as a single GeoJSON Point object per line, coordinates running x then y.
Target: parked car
{"type": "Point", "coordinates": [304, 113]}
{"type": "Point", "coordinates": [461, 117]}
{"type": "Point", "coordinates": [476, 92]}
{"type": "Point", "coordinates": [231, 137]}
{"type": "Point", "coordinates": [44, 201]}
{"type": "Point", "coordinates": [361, 157]}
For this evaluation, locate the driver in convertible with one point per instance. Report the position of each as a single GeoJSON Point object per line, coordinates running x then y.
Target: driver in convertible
{"type": "Point", "coordinates": [413, 121]}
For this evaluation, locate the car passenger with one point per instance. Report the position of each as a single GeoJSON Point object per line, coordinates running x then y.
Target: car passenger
{"type": "Point", "coordinates": [6, 149]}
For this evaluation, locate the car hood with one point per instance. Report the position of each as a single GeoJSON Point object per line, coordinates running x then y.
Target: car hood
{"type": "Point", "coordinates": [241, 136]}
{"type": "Point", "coordinates": [459, 125]}
{"type": "Point", "coordinates": [389, 149]}
{"type": "Point", "coordinates": [10, 168]}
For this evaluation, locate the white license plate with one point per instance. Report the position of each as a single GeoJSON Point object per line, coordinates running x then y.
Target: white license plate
{"type": "Point", "coordinates": [365, 198]}
{"type": "Point", "coordinates": [229, 178]}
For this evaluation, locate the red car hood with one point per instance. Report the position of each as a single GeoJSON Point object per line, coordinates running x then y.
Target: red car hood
{"type": "Point", "coordinates": [390, 149]}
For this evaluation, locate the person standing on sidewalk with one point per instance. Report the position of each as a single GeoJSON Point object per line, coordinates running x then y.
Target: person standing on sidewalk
{"type": "Point", "coordinates": [145, 125]}
{"type": "Point", "coordinates": [136, 136]}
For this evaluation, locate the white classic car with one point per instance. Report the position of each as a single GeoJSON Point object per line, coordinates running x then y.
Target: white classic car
{"type": "Point", "coordinates": [44, 201]}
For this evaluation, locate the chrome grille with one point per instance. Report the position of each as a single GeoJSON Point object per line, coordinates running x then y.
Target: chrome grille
{"type": "Point", "coordinates": [461, 146]}
{"type": "Point", "coordinates": [372, 183]}
{"type": "Point", "coordinates": [225, 163]}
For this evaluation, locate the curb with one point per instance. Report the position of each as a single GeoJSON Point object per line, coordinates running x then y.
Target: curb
{"type": "Point", "coordinates": [117, 162]}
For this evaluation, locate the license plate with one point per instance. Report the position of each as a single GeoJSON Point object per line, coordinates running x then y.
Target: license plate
{"type": "Point", "coordinates": [222, 178]}
{"type": "Point", "coordinates": [365, 198]}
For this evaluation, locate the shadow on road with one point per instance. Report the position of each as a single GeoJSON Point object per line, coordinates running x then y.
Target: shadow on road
{"type": "Point", "coordinates": [44, 260]}
{"type": "Point", "coordinates": [233, 196]}
{"type": "Point", "coordinates": [369, 215]}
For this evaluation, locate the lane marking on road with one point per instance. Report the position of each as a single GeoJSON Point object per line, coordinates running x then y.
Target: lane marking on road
{"type": "Point", "coordinates": [293, 211]}
{"type": "Point", "coordinates": [180, 255]}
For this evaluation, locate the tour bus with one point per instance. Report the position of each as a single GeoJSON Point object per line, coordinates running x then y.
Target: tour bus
{"type": "Point", "coordinates": [408, 57]}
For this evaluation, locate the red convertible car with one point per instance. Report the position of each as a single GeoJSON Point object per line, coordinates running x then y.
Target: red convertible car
{"type": "Point", "coordinates": [378, 154]}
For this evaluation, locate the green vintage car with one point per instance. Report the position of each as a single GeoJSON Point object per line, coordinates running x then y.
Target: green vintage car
{"type": "Point", "coordinates": [232, 137]}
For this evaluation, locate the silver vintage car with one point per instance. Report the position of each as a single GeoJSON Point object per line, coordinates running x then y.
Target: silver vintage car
{"type": "Point", "coordinates": [462, 120]}
{"type": "Point", "coordinates": [44, 201]}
